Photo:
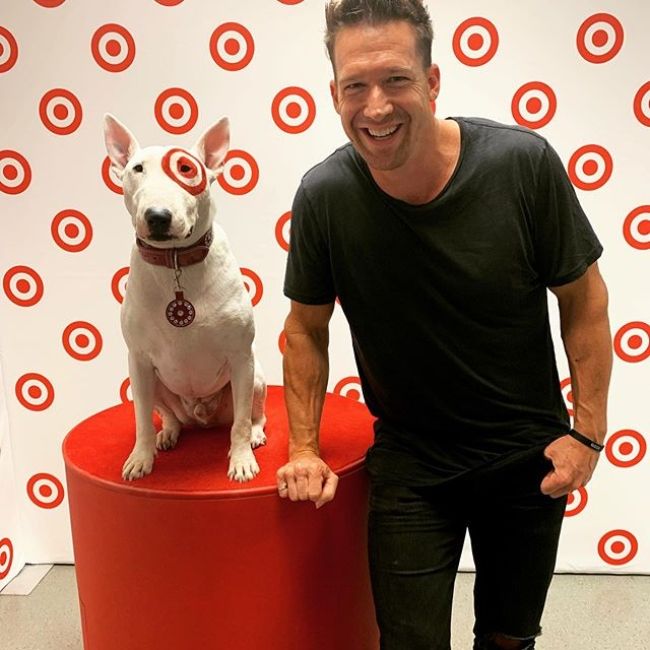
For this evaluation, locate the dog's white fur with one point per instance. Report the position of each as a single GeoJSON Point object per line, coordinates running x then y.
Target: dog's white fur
{"type": "Point", "coordinates": [205, 373]}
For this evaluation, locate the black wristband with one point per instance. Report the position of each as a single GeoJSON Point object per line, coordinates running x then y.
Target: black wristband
{"type": "Point", "coordinates": [588, 442]}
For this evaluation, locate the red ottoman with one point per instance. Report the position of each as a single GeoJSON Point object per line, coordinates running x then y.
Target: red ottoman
{"type": "Point", "coordinates": [185, 559]}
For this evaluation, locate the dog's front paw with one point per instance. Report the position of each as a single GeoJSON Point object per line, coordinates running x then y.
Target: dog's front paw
{"type": "Point", "coordinates": [138, 464]}
{"type": "Point", "coordinates": [243, 466]}
{"type": "Point", "coordinates": [258, 437]}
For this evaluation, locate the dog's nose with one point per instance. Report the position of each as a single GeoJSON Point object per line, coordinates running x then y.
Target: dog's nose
{"type": "Point", "coordinates": [158, 219]}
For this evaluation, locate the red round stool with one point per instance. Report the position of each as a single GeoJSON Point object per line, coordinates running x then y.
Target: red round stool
{"type": "Point", "coordinates": [185, 559]}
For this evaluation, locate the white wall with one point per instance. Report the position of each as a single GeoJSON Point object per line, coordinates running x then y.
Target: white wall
{"type": "Point", "coordinates": [172, 49]}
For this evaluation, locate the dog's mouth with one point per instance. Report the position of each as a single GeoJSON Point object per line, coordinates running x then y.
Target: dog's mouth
{"type": "Point", "coordinates": [155, 235]}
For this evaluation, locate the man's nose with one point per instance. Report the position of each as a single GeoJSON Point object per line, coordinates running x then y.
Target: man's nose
{"type": "Point", "coordinates": [378, 105]}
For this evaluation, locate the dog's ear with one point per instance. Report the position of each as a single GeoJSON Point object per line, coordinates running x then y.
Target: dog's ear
{"type": "Point", "coordinates": [120, 142]}
{"type": "Point", "coordinates": [212, 146]}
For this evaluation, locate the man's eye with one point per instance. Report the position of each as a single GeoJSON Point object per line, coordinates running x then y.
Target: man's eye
{"type": "Point", "coordinates": [138, 168]}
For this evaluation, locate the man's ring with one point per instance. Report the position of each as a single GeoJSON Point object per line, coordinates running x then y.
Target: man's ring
{"type": "Point", "coordinates": [283, 487]}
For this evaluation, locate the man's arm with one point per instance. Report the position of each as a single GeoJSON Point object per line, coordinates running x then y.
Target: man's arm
{"type": "Point", "coordinates": [306, 367]}
{"type": "Point", "coordinates": [587, 341]}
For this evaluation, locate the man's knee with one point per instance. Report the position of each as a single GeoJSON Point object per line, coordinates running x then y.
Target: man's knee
{"type": "Point", "coordinates": [496, 641]}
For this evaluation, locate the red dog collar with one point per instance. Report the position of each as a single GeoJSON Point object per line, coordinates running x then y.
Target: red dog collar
{"type": "Point", "coordinates": [174, 258]}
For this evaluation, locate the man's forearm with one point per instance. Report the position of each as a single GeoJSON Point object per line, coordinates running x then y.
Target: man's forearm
{"type": "Point", "coordinates": [306, 369]}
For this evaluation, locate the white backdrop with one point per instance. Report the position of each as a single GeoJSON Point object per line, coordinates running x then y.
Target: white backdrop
{"type": "Point", "coordinates": [169, 68]}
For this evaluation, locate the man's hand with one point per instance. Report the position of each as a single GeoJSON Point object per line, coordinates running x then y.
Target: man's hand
{"type": "Point", "coordinates": [573, 465]}
{"type": "Point", "coordinates": [307, 478]}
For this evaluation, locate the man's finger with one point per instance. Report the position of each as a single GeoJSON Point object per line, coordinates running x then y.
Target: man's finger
{"type": "Point", "coordinates": [281, 482]}
{"type": "Point", "coordinates": [329, 488]}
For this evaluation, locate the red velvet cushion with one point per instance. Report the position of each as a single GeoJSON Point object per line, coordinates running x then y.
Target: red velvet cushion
{"type": "Point", "coordinates": [99, 446]}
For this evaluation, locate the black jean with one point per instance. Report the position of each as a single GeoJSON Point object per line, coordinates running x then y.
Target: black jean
{"type": "Point", "coordinates": [415, 541]}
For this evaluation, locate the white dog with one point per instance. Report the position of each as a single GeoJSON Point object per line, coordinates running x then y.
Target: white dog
{"type": "Point", "coordinates": [186, 317]}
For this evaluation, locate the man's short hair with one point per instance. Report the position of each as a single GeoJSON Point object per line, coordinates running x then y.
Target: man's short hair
{"type": "Point", "coordinates": [343, 13]}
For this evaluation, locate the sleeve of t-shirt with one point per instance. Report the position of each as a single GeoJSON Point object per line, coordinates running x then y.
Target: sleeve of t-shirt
{"type": "Point", "coordinates": [308, 276]}
{"type": "Point", "coordinates": [565, 242]}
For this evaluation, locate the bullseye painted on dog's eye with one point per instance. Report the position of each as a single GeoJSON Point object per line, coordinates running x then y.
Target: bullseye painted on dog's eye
{"type": "Point", "coordinates": [138, 168]}
{"type": "Point", "coordinates": [185, 170]}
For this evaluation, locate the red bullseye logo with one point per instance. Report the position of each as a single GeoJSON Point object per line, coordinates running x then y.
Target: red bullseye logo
{"type": "Point", "coordinates": [534, 105]}
{"type": "Point", "coordinates": [641, 104]}
{"type": "Point", "coordinates": [626, 448]}
{"type": "Point", "coordinates": [576, 502]}
{"type": "Point", "coordinates": [35, 392]}
{"type": "Point", "coordinates": [113, 47]}
{"type": "Point", "coordinates": [15, 172]}
{"type": "Point", "coordinates": [231, 46]}
{"type": "Point", "coordinates": [125, 391]}
{"type": "Point", "coordinates": [176, 111]}
{"type": "Point", "coordinates": [600, 38]}
{"type": "Point", "coordinates": [565, 387]}
{"type": "Point", "coordinates": [118, 284]}
{"type": "Point", "coordinates": [169, 3]}
{"type": "Point", "coordinates": [282, 342]}
{"type": "Point", "coordinates": [23, 286]}
{"type": "Point", "coordinates": [49, 4]}
{"type": "Point", "coordinates": [590, 167]}
{"type": "Point", "coordinates": [8, 50]}
{"type": "Point", "coordinates": [110, 177]}
{"type": "Point", "coordinates": [618, 547]}
{"type": "Point", "coordinates": [185, 170]}
{"type": "Point", "coordinates": [82, 341]}
{"type": "Point", "coordinates": [290, 2]}
{"type": "Point", "coordinates": [6, 557]}
{"type": "Point", "coordinates": [72, 231]}
{"type": "Point", "coordinates": [349, 387]}
{"type": "Point", "coordinates": [253, 285]}
{"type": "Point", "coordinates": [240, 172]}
{"type": "Point", "coordinates": [60, 111]}
{"type": "Point", "coordinates": [45, 491]}
{"type": "Point", "coordinates": [636, 228]}
{"type": "Point", "coordinates": [283, 230]}
{"type": "Point", "coordinates": [632, 342]}
{"type": "Point", "coordinates": [475, 41]}
{"type": "Point", "coordinates": [293, 109]}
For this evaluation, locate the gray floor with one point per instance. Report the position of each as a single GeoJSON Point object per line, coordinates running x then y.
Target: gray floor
{"type": "Point", "coordinates": [582, 613]}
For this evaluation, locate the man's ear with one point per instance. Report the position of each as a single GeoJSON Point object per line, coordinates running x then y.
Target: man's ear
{"type": "Point", "coordinates": [211, 148]}
{"type": "Point", "coordinates": [334, 91]}
{"type": "Point", "coordinates": [433, 79]}
{"type": "Point", "coordinates": [120, 143]}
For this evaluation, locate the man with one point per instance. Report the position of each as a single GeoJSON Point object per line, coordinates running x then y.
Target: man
{"type": "Point", "coordinates": [440, 238]}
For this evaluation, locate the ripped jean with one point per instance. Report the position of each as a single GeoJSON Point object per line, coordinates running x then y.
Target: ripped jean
{"type": "Point", "coordinates": [415, 541]}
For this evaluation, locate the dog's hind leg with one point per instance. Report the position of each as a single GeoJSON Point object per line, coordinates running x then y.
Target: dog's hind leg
{"type": "Point", "coordinates": [258, 437]}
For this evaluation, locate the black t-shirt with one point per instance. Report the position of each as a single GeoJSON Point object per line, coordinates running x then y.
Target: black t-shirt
{"type": "Point", "coordinates": [447, 301]}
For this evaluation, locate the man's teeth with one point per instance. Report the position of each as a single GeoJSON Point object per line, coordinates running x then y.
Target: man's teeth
{"type": "Point", "coordinates": [383, 133]}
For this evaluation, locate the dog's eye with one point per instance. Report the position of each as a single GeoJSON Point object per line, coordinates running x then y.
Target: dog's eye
{"type": "Point", "coordinates": [138, 168]}
{"type": "Point", "coordinates": [186, 168]}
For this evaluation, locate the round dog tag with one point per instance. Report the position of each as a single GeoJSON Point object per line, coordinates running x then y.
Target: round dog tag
{"type": "Point", "coordinates": [180, 312]}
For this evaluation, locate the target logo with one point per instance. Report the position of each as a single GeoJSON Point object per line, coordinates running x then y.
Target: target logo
{"type": "Point", "coordinates": [567, 393]}
{"type": "Point", "coordinates": [283, 230]}
{"type": "Point", "coordinates": [82, 341]}
{"type": "Point", "coordinates": [169, 3]}
{"type": "Point", "coordinates": [349, 387]}
{"type": "Point", "coordinates": [600, 38]}
{"type": "Point", "coordinates": [8, 50]}
{"type": "Point", "coordinates": [632, 342]}
{"type": "Point", "coordinates": [240, 172]}
{"type": "Point", "coordinates": [576, 502]}
{"type": "Point", "coordinates": [111, 178]}
{"type": "Point", "coordinates": [125, 391]}
{"type": "Point", "coordinates": [6, 557]}
{"type": "Point", "coordinates": [23, 286]}
{"type": "Point", "coordinates": [641, 102]}
{"type": "Point", "coordinates": [636, 228]}
{"type": "Point", "coordinates": [282, 342]}
{"type": "Point", "coordinates": [176, 111]}
{"type": "Point", "coordinates": [35, 392]}
{"type": "Point", "coordinates": [15, 172]}
{"type": "Point", "coordinates": [625, 448]}
{"type": "Point", "coordinates": [72, 231]}
{"type": "Point", "coordinates": [60, 111]}
{"type": "Point", "coordinates": [231, 46]}
{"type": "Point", "coordinates": [590, 167]}
{"type": "Point", "coordinates": [49, 4]}
{"type": "Point", "coordinates": [293, 110]}
{"type": "Point", "coordinates": [113, 47]}
{"type": "Point", "coordinates": [475, 41]}
{"type": "Point", "coordinates": [185, 170]}
{"type": "Point", "coordinates": [618, 547]}
{"type": "Point", "coordinates": [290, 2]}
{"type": "Point", "coordinates": [118, 284]}
{"type": "Point", "coordinates": [534, 105]}
{"type": "Point", "coordinates": [45, 491]}
{"type": "Point", "coordinates": [253, 285]}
